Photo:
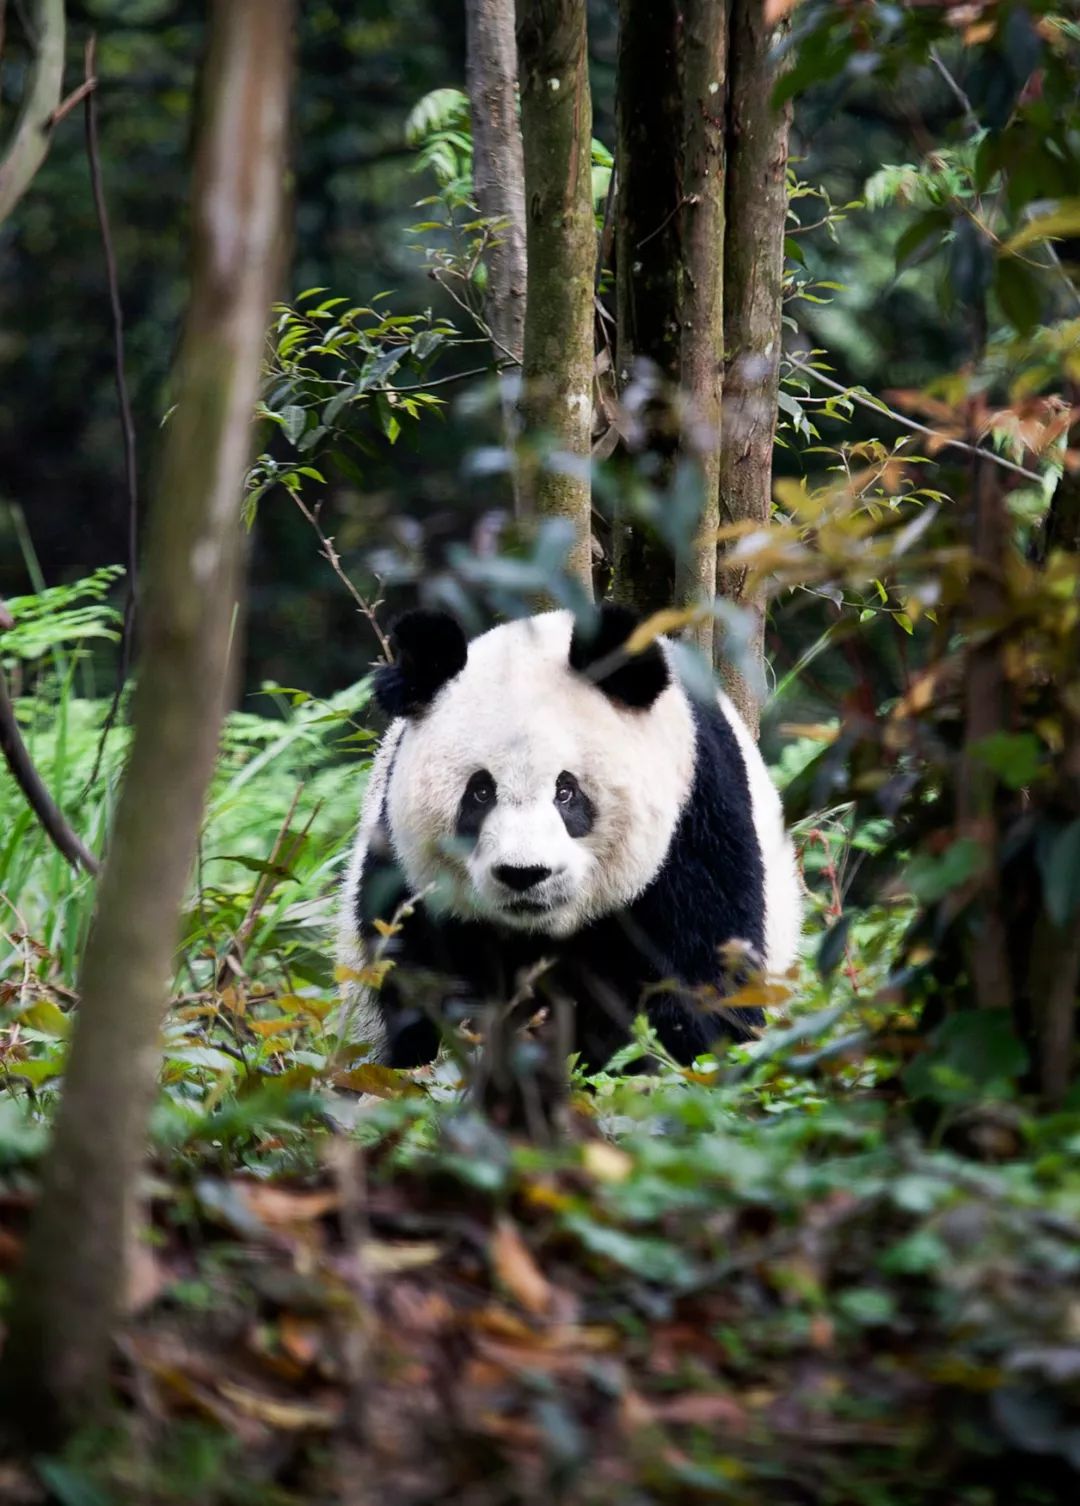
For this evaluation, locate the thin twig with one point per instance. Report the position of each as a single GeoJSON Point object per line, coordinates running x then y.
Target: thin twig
{"type": "Point", "coordinates": [33, 787]}
{"type": "Point", "coordinates": [127, 422]}
{"type": "Point", "coordinates": [76, 97]}
{"type": "Point", "coordinates": [955, 89]}
{"type": "Point", "coordinates": [944, 441]}
{"type": "Point", "coordinates": [368, 609]}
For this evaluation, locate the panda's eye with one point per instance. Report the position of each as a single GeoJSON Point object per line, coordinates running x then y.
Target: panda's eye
{"type": "Point", "coordinates": [480, 788]}
{"type": "Point", "coordinates": [566, 787]}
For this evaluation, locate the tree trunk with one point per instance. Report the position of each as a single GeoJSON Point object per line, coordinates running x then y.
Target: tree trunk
{"type": "Point", "coordinates": [557, 374]}
{"type": "Point", "coordinates": [649, 167]}
{"type": "Point", "coordinates": [705, 62]}
{"type": "Point", "coordinates": [757, 137]}
{"type": "Point", "coordinates": [72, 1279]}
{"type": "Point", "coordinates": [498, 166]}
{"type": "Point", "coordinates": [985, 714]}
{"type": "Point", "coordinates": [499, 186]}
{"type": "Point", "coordinates": [669, 274]}
{"type": "Point", "coordinates": [33, 129]}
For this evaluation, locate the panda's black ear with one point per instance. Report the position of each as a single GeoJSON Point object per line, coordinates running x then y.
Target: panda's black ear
{"type": "Point", "coordinates": [429, 649]}
{"type": "Point", "coordinates": [597, 651]}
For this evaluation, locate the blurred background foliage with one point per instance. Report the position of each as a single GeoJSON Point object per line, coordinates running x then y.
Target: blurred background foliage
{"type": "Point", "coordinates": [362, 71]}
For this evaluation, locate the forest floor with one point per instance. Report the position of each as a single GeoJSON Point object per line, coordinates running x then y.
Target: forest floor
{"type": "Point", "coordinates": [841, 1265]}
{"type": "Point", "coordinates": [751, 1291]}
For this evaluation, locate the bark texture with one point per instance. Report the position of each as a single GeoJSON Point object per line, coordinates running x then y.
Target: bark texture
{"type": "Point", "coordinates": [648, 271]}
{"type": "Point", "coordinates": [705, 62]}
{"type": "Point", "coordinates": [557, 373]}
{"type": "Point", "coordinates": [669, 261]}
{"type": "Point", "coordinates": [498, 164]}
{"type": "Point", "coordinates": [72, 1279]}
{"type": "Point", "coordinates": [757, 144]}
{"type": "Point", "coordinates": [33, 129]}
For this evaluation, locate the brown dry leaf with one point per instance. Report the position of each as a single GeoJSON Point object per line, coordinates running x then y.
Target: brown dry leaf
{"type": "Point", "coordinates": [147, 1278]}
{"type": "Point", "coordinates": [279, 1025]}
{"type": "Point", "coordinates": [380, 1082]}
{"type": "Point", "coordinates": [667, 620]}
{"type": "Point", "coordinates": [288, 1416]}
{"type": "Point", "coordinates": [518, 1271]}
{"type": "Point", "coordinates": [301, 1339]}
{"type": "Point", "coordinates": [11, 1250]}
{"type": "Point", "coordinates": [383, 1257]}
{"type": "Point", "coordinates": [701, 1408]}
{"type": "Point", "coordinates": [278, 1208]}
{"type": "Point", "coordinates": [498, 1321]}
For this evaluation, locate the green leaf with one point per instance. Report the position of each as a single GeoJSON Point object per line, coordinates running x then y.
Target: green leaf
{"type": "Point", "coordinates": [932, 878]}
{"type": "Point", "coordinates": [1060, 864]}
{"type": "Point", "coordinates": [1019, 293]}
{"type": "Point", "coordinates": [1015, 757]}
{"type": "Point", "coordinates": [973, 1055]}
{"type": "Point", "coordinates": [294, 421]}
{"type": "Point", "coordinates": [917, 238]}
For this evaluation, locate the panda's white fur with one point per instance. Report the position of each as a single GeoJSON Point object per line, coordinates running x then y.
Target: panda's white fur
{"type": "Point", "coordinates": [518, 710]}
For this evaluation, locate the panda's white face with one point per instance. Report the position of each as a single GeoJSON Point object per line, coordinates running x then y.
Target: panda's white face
{"type": "Point", "coordinates": [526, 795]}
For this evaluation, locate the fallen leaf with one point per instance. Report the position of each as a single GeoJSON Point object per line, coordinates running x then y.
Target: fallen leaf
{"type": "Point", "coordinates": [383, 1257]}
{"type": "Point", "coordinates": [289, 1416]}
{"type": "Point", "coordinates": [518, 1271]}
{"type": "Point", "coordinates": [280, 1208]}
{"type": "Point", "coordinates": [702, 1408]}
{"type": "Point", "coordinates": [606, 1162]}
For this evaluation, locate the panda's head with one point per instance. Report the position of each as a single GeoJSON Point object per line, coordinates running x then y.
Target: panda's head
{"type": "Point", "coordinates": [538, 772]}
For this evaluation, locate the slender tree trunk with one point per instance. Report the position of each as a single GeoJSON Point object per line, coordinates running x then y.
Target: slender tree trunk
{"type": "Point", "coordinates": [72, 1279]}
{"type": "Point", "coordinates": [648, 266]}
{"type": "Point", "coordinates": [557, 374]}
{"type": "Point", "coordinates": [499, 186]}
{"type": "Point", "coordinates": [33, 130]}
{"type": "Point", "coordinates": [669, 274]}
{"type": "Point", "coordinates": [705, 62]}
{"type": "Point", "coordinates": [1054, 966]}
{"type": "Point", "coordinates": [757, 137]}
{"type": "Point", "coordinates": [984, 716]}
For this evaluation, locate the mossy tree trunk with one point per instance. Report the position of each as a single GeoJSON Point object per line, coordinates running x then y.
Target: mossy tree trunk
{"type": "Point", "coordinates": [71, 1284]}
{"type": "Point", "coordinates": [498, 165]}
{"type": "Point", "coordinates": [499, 185]}
{"type": "Point", "coordinates": [757, 141]}
{"type": "Point", "coordinates": [557, 373]}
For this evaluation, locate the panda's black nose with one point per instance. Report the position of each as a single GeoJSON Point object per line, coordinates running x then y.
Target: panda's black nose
{"type": "Point", "coordinates": [520, 879]}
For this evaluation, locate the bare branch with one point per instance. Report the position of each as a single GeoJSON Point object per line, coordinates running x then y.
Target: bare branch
{"type": "Point", "coordinates": [33, 786]}
{"type": "Point", "coordinates": [30, 143]}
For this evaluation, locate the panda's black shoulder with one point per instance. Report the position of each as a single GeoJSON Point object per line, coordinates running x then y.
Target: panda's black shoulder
{"type": "Point", "coordinates": [710, 888]}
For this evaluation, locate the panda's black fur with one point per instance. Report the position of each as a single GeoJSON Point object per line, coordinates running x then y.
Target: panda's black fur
{"type": "Point", "coordinates": [710, 885]}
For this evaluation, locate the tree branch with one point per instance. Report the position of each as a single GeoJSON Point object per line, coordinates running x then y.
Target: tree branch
{"type": "Point", "coordinates": [943, 441]}
{"type": "Point", "coordinates": [30, 142]}
{"type": "Point", "coordinates": [30, 781]}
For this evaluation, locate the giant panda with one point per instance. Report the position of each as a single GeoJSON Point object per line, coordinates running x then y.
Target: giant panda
{"type": "Point", "coordinates": [542, 796]}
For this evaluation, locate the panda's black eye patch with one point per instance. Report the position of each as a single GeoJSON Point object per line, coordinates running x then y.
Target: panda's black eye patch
{"type": "Point", "coordinates": [477, 800]}
{"type": "Point", "coordinates": [573, 805]}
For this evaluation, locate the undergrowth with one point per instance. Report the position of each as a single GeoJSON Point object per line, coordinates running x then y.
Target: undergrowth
{"type": "Point", "coordinates": [829, 1267]}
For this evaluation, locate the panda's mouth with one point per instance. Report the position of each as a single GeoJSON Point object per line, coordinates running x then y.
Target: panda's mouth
{"type": "Point", "coordinates": [527, 907]}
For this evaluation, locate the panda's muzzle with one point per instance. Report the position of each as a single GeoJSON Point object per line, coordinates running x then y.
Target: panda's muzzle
{"type": "Point", "coordinates": [521, 880]}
